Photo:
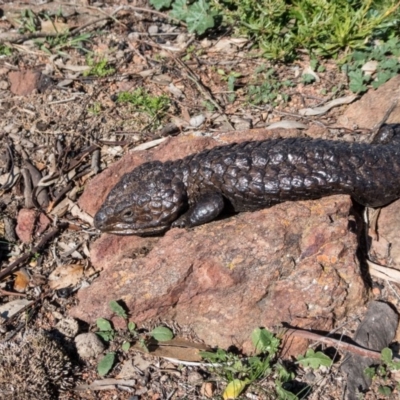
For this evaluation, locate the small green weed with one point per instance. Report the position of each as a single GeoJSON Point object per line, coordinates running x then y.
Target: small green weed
{"type": "Point", "coordinates": [387, 65]}
{"type": "Point", "coordinates": [5, 50]}
{"type": "Point", "coordinates": [198, 15]}
{"type": "Point", "coordinates": [314, 359]}
{"type": "Point", "coordinates": [95, 109]}
{"type": "Point", "coordinates": [108, 334]}
{"type": "Point", "coordinates": [154, 106]}
{"type": "Point", "coordinates": [383, 371]}
{"type": "Point", "coordinates": [270, 91]}
{"type": "Point", "coordinates": [240, 372]}
{"type": "Point", "coordinates": [57, 43]}
{"type": "Point", "coordinates": [98, 67]}
{"type": "Point", "coordinates": [282, 28]}
{"type": "Point", "coordinates": [28, 22]}
{"type": "Point", "coordinates": [230, 78]}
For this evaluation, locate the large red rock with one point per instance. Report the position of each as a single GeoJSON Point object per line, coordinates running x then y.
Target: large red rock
{"type": "Point", "coordinates": [294, 263]}
{"type": "Point", "coordinates": [371, 109]}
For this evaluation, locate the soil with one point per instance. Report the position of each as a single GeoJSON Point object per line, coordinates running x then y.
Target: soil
{"type": "Point", "coordinates": [64, 126]}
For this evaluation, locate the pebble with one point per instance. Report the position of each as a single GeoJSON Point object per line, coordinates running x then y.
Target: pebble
{"type": "Point", "coordinates": [68, 327]}
{"type": "Point", "coordinates": [197, 120]}
{"type": "Point", "coordinates": [152, 30]}
{"type": "Point", "coordinates": [89, 345]}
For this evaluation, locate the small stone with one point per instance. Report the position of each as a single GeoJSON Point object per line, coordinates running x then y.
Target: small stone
{"type": "Point", "coordinates": [134, 36]}
{"type": "Point", "coordinates": [207, 389]}
{"type": "Point", "coordinates": [3, 85]}
{"type": "Point", "coordinates": [152, 30]}
{"type": "Point", "coordinates": [194, 378]}
{"type": "Point", "coordinates": [197, 120]}
{"type": "Point", "coordinates": [68, 327]}
{"type": "Point", "coordinates": [89, 345]}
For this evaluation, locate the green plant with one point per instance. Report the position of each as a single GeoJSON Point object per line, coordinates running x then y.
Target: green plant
{"type": "Point", "coordinates": [106, 331]}
{"type": "Point", "coordinates": [314, 359]}
{"type": "Point", "coordinates": [270, 91]}
{"type": "Point", "coordinates": [95, 109]}
{"type": "Point", "coordinates": [230, 78]}
{"type": "Point", "coordinates": [387, 65]}
{"type": "Point", "coordinates": [28, 22]}
{"type": "Point", "coordinates": [322, 27]}
{"type": "Point", "coordinates": [198, 15]}
{"type": "Point", "coordinates": [57, 43]}
{"type": "Point", "coordinates": [5, 50]}
{"type": "Point", "coordinates": [383, 370]}
{"type": "Point", "coordinates": [154, 106]}
{"type": "Point", "coordinates": [240, 372]}
{"type": "Point", "coordinates": [98, 67]}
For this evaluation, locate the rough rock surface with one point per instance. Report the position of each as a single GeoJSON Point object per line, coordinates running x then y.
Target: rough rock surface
{"type": "Point", "coordinates": [293, 263]}
{"type": "Point", "coordinates": [372, 107]}
{"type": "Point", "coordinates": [28, 223]}
{"type": "Point", "coordinates": [386, 246]}
{"type": "Point", "coordinates": [23, 82]}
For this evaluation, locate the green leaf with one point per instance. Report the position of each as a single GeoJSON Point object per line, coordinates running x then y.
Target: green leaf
{"type": "Point", "coordinates": [314, 359]}
{"type": "Point", "coordinates": [389, 63]}
{"type": "Point", "coordinates": [385, 390]}
{"type": "Point", "coordinates": [162, 334]}
{"type": "Point", "coordinates": [382, 77]}
{"type": "Point", "coordinates": [159, 4]}
{"type": "Point", "coordinates": [308, 78]}
{"type": "Point", "coordinates": [199, 17]}
{"type": "Point", "coordinates": [126, 346]}
{"type": "Point", "coordinates": [106, 363]}
{"type": "Point", "coordinates": [386, 355]}
{"type": "Point", "coordinates": [284, 394]}
{"type": "Point", "coordinates": [106, 335]}
{"type": "Point", "coordinates": [264, 341]}
{"type": "Point", "coordinates": [132, 327]}
{"type": "Point", "coordinates": [118, 309]}
{"type": "Point", "coordinates": [179, 10]}
{"type": "Point", "coordinates": [357, 79]}
{"type": "Point", "coordinates": [370, 372]}
{"type": "Point", "coordinates": [103, 324]}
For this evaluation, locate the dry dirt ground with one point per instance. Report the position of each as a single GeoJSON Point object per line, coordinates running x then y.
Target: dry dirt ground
{"type": "Point", "coordinates": [63, 123]}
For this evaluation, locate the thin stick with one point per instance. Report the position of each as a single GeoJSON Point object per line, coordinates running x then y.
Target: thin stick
{"type": "Point", "coordinates": [10, 269]}
{"type": "Point", "coordinates": [361, 351]}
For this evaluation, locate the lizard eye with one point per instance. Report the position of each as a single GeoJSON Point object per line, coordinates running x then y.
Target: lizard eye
{"type": "Point", "coordinates": [128, 213]}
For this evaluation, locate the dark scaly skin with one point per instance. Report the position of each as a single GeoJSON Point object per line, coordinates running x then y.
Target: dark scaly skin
{"type": "Point", "coordinates": [250, 176]}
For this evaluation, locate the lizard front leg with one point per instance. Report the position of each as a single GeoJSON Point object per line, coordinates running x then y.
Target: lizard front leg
{"type": "Point", "coordinates": [206, 208]}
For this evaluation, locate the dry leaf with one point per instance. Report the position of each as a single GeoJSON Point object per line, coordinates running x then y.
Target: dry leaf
{"type": "Point", "coordinates": [327, 106]}
{"type": "Point", "coordinates": [149, 145]}
{"type": "Point", "coordinates": [207, 389]}
{"type": "Point", "coordinates": [287, 124]}
{"type": "Point", "coordinates": [234, 389]}
{"type": "Point", "coordinates": [382, 272]}
{"type": "Point", "coordinates": [22, 279]}
{"type": "Point", "coordinates": [176, 349]}
{"type": "Point", "coordinates": [65, 276]}
{"type": "Point", "coordinates": [48, 26]}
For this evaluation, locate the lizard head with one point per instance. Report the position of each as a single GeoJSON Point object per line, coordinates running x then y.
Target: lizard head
{"type": "Point", "coordinates": [144, 202]}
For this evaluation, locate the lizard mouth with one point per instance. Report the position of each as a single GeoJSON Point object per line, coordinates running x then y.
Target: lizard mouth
{"type": "Point", "coordinates": [125, 229]}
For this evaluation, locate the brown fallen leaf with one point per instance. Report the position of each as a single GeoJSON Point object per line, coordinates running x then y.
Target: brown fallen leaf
{"type": "Point", "coordinates": [178, 349]}
{"type": "Point", "coordinates": [65, 276]}
{"type": "Point", "coordinates": [22, 279]}
{"type": "Point", "coordinates": [48, 26]}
